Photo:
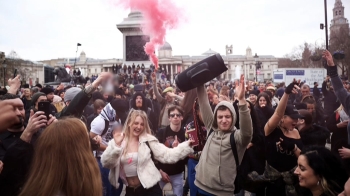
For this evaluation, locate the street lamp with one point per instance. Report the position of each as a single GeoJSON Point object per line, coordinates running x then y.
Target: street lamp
{"type": "Point", "coordinates": [326, 23]}
{"type": "Point", "coordinates": [257, 66]}
{"type": "Point", "coordinates": [4, 65]}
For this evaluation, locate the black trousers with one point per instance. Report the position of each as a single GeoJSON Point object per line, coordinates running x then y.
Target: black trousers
{"type": "Point", "coordinates": [140, 191]}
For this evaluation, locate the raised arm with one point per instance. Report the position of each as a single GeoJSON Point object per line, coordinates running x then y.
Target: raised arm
{"type": "Point", "coordinates": [340, 92]}
{"type": "Point", "coordinates": [159, 97]}
{"type": "Point", "coordinates": [204, 107]}
{"type": "Point", "coordinates": [244, 134]}
{"type": "Point", "coordinates": [279, 112]}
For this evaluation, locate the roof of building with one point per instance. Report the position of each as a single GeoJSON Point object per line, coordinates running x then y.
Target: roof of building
{"type": "Point", "coordinates": [166, 46]}
{"type": "Point", "coordinates": [209, 52]}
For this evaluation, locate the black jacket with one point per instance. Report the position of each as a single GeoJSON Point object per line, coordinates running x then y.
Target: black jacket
{"type": "Point", "coordinates": [17, 162]}
{"type": "Point", "coordinates": [331, 99]}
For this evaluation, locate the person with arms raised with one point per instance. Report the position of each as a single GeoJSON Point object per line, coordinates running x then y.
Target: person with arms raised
{"type": "Point", "coordinates": [216, 170]}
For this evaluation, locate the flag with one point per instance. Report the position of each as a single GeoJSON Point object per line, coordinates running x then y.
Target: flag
{"type": "Point", "coordinates": [78, 44]}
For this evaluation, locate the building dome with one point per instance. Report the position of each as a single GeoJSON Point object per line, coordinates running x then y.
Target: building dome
{"type": "Point", "coordinates": [82, 53]}
{"type": "Point", "coordinates": [209, 52]}
{"type": "Point", "coordinates": [166, 46]}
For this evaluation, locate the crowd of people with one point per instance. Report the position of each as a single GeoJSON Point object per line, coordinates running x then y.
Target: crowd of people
{"type": "Point", "coordinates": [221, 138]}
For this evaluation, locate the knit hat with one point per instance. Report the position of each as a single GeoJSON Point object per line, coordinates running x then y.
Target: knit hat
{"type": "Point", "coordinates": [71, 93]}
{"type": "Point", "coordinates": [120, 105]}
{"type": "Point", "coordinates": [138, 87]}
{"type": "Point", "coordinates": [118, 91]}
{"type": "Point", "coordinates": [39, 85]}
{"type": "Point", "coordinates": [36, 96]}
{"type": "Point", "coordinates": [131, 86]}
{"type": "Point", "coordinates": [169, 89]}
{"type": "Point", "coordinates": [47, 90]}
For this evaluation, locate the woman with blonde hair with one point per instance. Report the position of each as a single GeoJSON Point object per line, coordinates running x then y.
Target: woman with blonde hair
{"type": "Point", "coordinates": [132, 153]}
{"type": "Point", "coordinates": [63, 164]}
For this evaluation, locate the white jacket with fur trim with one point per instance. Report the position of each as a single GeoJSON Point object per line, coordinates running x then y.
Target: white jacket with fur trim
{"type": "Point", "coordinates": [146, 170]}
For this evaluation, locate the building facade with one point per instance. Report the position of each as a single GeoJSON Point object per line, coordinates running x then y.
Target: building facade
{"type": "Point", "coordinates": [133, 54]}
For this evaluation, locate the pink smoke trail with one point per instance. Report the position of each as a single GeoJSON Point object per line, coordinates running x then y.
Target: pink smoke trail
{"type": "Point", "coordinates": [160, 16]}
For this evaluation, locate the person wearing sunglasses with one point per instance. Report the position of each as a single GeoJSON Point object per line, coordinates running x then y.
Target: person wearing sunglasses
{"type": "Point", "coordinates": [171, 136]}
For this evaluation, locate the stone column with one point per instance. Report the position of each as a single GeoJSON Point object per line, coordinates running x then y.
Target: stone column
{"type": "Point", "coordinates": [171, 74]}
{"type": "Point", "coordinates": [226, 77]}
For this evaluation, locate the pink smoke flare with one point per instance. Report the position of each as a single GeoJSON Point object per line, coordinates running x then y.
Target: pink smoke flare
{"type": "Point", "coordinates": [160, 16]}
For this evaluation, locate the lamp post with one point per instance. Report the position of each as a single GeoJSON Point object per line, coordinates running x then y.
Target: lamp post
{"type": "Point", "coordinates": [257, 66]}
{"type": "Point", "coordinates": [78, 44]}
{"type": "Point", "coordinates": [4, 65]}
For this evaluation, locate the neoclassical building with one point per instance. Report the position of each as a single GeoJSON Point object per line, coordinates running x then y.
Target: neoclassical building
{"type": "Point", "coordinates": [134, 40]}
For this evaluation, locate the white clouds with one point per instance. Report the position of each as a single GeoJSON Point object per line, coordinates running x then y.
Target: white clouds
{"type": "Point", "coordinates": [40, 29]}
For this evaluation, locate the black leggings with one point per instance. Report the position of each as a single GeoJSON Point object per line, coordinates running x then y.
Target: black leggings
{"type": "Point", "coordinates": [140, 191]}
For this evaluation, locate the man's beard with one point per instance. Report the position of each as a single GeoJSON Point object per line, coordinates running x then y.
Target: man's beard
{"type": "Point", "coordinates": [18, 125]}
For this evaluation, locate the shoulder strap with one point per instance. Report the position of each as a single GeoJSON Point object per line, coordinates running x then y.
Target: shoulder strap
{"type": "Point", "coordinates": [149, 111]}
{"type": "Point", "coordinates": [234, 149]}
{"type": "Point", "coordinates": [152, 157]}
{"type": "Point", "coordinates": [210, 132]}
{"type": "Point", "coordinates": [106, 127]}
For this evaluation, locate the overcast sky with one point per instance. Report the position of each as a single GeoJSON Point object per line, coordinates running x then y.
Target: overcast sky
{"type": "Point", "coordinates": [42, 29]}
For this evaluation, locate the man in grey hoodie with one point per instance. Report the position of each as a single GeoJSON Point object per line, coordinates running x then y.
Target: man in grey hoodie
{"type": "Point", "coordinates": [216, 170]}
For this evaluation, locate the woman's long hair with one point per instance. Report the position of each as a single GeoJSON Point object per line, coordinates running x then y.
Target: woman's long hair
{"type": "Point", "coordinates": [130, 121]}
{"type": "Point", "coordinates": [267, 98]}
{"type": "Point", "coordinates": [328, 167]}
{"type": "Point", "coordinates": [63, 162]}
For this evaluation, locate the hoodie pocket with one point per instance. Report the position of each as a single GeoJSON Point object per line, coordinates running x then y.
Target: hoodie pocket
{"type": "Point", "coordinates": [226, 175]}
{"type": "Point", "coordinates": [210, 176]}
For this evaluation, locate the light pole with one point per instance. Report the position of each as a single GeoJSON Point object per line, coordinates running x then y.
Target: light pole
{"type": "Point", "coordinates": [78, 44]}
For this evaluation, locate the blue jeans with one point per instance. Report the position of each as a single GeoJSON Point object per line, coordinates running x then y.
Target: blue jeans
{"type": "Point", "coordinates": [204, 193]}
{"type": "Point", "coordinates": [191, 175]}
{"type": "Point", "coordinates": [176, 182]}
{"type": "Point", "coordinates": [108, 189]}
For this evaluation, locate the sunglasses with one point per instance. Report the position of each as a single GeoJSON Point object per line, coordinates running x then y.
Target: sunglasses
{"type": "Point", "coordinates": [173, 115]}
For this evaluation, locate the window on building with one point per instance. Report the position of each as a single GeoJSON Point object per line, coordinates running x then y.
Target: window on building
{"type": "Point", "coordinates": [268, 66]}
{"type": "Point", "coordinates": [95, 70]}
{"type": "Point", "coordinates": [250, 66]}
{"type": "Point", "coordinates": [336, 13]}
{"type": "Point", "coordinates": [262, 67]}
{"type": "Point", "coordinates": [339, 12]}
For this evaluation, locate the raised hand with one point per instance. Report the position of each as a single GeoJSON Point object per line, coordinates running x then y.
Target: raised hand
{"type": "Point", "coordinates": [153, 77]}
{"type": "Point", "coordinates": [328, 57]}
{"type": "Point", "coordinates": [240, 90]}
{"type": "Point", "coordinates": [176, 142]}
{"type": "Point", "coordinates": [118, 137]}
{"type": "Point", "coordinates": [102, 78]}
{"type": "Point", "coordinates": [292, 87]}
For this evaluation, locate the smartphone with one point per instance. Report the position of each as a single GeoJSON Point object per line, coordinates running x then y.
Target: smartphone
{"type": "Point", "coordinates": [15, 73]}
{"type": "Point", "coordinates": [44, 106]}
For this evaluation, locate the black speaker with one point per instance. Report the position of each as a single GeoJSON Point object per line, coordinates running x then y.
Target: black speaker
{"type": "Point", "coordinates": [200, 73]}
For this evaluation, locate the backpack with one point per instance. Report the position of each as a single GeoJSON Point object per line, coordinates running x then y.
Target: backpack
{"type": "Point", "coordinates": [238, 180]}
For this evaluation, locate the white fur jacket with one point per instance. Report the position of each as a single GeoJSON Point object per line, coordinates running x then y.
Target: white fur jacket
{"type": "Point", "coordinates": [146, 170]}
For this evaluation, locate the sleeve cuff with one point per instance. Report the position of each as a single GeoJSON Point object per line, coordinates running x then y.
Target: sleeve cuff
{"type": "Point", "coordinates": [333, 71]}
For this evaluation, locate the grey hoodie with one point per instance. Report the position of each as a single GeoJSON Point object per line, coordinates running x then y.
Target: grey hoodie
{"type": "Point", "coordinates": [216, 169]}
